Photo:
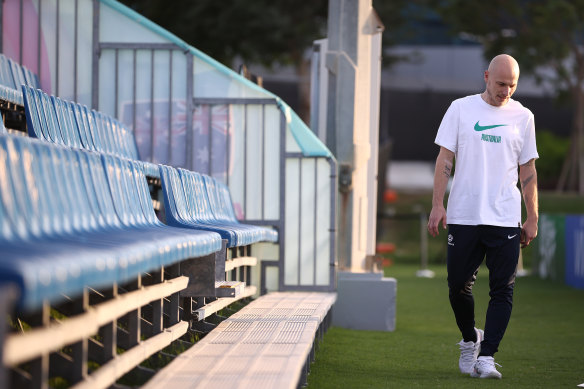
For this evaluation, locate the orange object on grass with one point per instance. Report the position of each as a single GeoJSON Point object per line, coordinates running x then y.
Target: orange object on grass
{"type": "Point", "coordinates": [389, 196]}
{"type": "Point", "coordinates": [385, 248]}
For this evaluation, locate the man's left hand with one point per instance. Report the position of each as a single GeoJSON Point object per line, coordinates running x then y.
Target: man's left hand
{"type": "Point", "coordinates": [528, 232]}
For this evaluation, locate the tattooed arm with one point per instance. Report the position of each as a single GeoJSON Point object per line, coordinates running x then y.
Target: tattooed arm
{"type": "Point", "coordinates": [528, 178]}
{"type": "Point", "coordinates": [444, 164]}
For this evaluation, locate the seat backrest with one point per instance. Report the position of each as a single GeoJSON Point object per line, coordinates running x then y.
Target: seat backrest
{"type": "Point", "coordinates": [91, 129]}
{"type": "Point", "coordinates": [226, 202]}
{"type": "Point", "coordinates": [70, 207]}
{"type": "Point", "coordinates": [7, 233]}
{"type": "Point", "coordinates": [141, 186]}
{"type": "Point", "coordinates": [47, 199]}
{"type": "Point", "coordinates": [66, 123]}
{"type": "Point", "coordinates": [127, 141]}
{"type": "Point", "coordinates": [24, 185]}
{"type": "Point", "coordinates": [120, 198]}
{"type": "Point", "coordinates": [128, 181]}
{"type": "Point", "coordinates": [49, 190]}
{"type": "Point", "coordinates": [96, 218]}
{"type": "Point", "coordinates": [189, 206]}
{"type": "Point", "coordinates": [103, 194]}
{"type": "Point", "coordinates": [105, 136]}
{"type": "Point", "coordinates": [129, 199]}
{"type": "Point", "coordinates": [31, 78]}
{"type": "Point", "coordinates": [41, 116]}
{"type": "Point", "coordinates": [75, 125]}
{"type": "Point", "coordinates": [48, 115]}
{"type": "Point", "coordinates": [214, 199]}
{"type": "Point", "coordinates": [202, 198]}
{"type": "Point", "coordinates": [175, 191]}
{"type": "Point", "coordinates": [116, 140]}
{"type": "Point", "coordinates": [196, 196]}
{"type": "Point", "coordinates": [14, 225]}
{"type": "Point", "coordinates": [170, 210]}
{"type": "Point", "coordinates": [17, 74]}
{"type": "Point", "coordinates": [81, 125]}
{"type": "Point", "coordinates": [2, 127]}
{"type": "Point", "coordinates": [33, 119]}
{"type": "Point", "coordinates": [56, 209]}
{"type": "Point", "coordinates": [6, 78]}
{"type": "Point", "coordinates": [76, 194]}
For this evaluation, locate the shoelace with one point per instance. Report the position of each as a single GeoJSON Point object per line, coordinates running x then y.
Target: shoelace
{"type": "Point", "coordinates": [488, 362]}
{"type": "Point", "coordinates": [467, 349]}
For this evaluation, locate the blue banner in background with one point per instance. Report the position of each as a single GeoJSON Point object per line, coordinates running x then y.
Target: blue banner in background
{"type": "Point", "coordinates": [550, 252]}
{"type": "Point", "coordinates": [575, 251]}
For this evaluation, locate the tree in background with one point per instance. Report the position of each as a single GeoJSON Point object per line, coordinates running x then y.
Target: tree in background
{"type": "Point", "coordinates": [264, 32]}
{"type": "Point", "coordinates": [259, 31]}
{"type": "Point", "coordinates": [546, 38]}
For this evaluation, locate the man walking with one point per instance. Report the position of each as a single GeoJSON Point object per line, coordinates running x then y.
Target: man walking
{"type": "Point", "coordinates": [490, 136]}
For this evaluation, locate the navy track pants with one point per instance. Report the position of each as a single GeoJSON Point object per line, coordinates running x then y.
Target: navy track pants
{"type": "Point", "coordinates": [468, 246]}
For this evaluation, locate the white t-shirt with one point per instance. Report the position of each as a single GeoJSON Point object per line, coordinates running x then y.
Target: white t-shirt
{"type": "Point", "coordinates": [489, 144]}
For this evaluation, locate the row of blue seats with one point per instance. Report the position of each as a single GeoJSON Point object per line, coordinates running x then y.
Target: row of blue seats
{"type": "Point", "coordinates": [199, 201]}
{"type": "Point", "coordinates": [50, 207]}
{"type": "Point", "coordinates": [12, 75]}
{"type": "Point", "coordinates": [74, 125]}
{"type": "Point", "coordinates": [71, 219]}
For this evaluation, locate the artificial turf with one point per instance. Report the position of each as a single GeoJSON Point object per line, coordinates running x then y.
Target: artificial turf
{"type": "Point", "coordinates": [543, 346]}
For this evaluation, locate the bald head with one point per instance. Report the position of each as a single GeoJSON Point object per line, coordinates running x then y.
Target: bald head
{"type": "Point", "coordinates": [504, 63]}
{"type": "Point", "coordinates": [501, 80]}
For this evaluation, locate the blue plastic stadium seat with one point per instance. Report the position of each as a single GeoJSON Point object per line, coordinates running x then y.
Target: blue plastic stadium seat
{"type": "Point", "coordinates": [17, 73]}
{"type": "Point", "coordinates": [217, 206]}
{"type": "Point", "coordinates": [66, 122]}
{"type": "Point", "coordinates": [224, 207]}
{"type": "Point", "coordinates": [6, 73]}
{"type": "Point", "coordinates": [187, 204]}
{"type": "Point", "coordinates": [74, 125]}
{"type": "Point", "coordinates": [7, 86]}
{"type": "Point", "coordinates": [12, 75]}
{"type": "Point", "coordinates": [71, 219]}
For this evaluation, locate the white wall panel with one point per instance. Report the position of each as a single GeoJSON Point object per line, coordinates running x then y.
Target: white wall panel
{"type": "Point", "coordinates": [323, 214]}
{"type": "Point", "coordinates": [307, 213]}
{"type": "Point", "coordinates": [292, 219]}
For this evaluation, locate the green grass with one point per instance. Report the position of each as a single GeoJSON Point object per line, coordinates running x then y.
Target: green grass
{"type": "Point", "coordinates": [543, 346]}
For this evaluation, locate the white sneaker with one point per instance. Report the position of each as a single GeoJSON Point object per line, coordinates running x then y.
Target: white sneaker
{"type": "Point", "coordinates": [469, 352]}
{"type": "Point", "coordinates": [485, 368]}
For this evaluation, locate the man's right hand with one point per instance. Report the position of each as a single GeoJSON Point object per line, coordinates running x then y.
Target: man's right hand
{"type": "Point", "coordinates": [437, 215]}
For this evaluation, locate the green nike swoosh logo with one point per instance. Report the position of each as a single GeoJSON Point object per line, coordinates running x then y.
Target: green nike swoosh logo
{"type": "Point", "coordinates": [477, 127]}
